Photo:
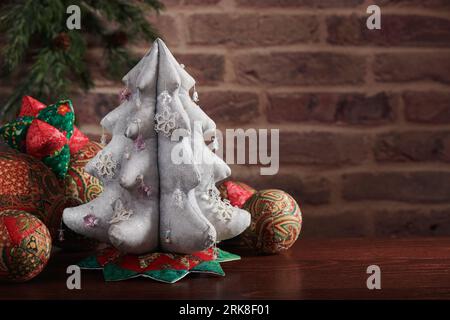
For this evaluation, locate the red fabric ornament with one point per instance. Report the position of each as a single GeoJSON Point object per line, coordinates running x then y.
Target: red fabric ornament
{"type": "Point", "coordinates": [77, 141]}
{"type": "Point", "coordinates": [44, 139]}
{"type": "Point", "coordinates": [25, 244]}
{"type": "Point", "coordinates": [30, 107]}
{"type": "Point", "coordinates": [237, 194]}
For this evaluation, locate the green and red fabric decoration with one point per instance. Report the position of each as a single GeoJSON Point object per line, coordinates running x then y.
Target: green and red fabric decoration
{"type": "Point", "coordinates": [25, 246]}
{"type": "Point", "coordinates": [164, 267]}
{"type": "Point", "coordinates": [46, 132]}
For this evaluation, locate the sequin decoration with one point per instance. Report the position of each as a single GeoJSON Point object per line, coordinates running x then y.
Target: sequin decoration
{"type": "Point", "coordinates": [139, 143]}
{"type": "Point", "coordinates": [195, 97]}
{"type": "Point", "coordinates": [90, 220]}
{"type": "Point", "coordinates": [125, 95]}
{"type": "Point", "coordinates": [164, 98]}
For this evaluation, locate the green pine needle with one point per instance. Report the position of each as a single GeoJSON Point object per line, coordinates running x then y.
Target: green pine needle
{"type": "Point", "coordinates": [48, 71]}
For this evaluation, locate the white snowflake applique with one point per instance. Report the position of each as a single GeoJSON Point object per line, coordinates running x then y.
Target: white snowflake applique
{"type": "Point", "coordinates": [222, 208]}
{"type": "Point", "coordinates": [165, 122]}
{"type": "Point", "coordinates": [120, 213]}
{"type": "Point", "coordinates": [105, 165]}
{"type": "Point", "coordinates": [165, 119]}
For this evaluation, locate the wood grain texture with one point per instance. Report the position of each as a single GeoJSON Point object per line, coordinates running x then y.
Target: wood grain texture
{"type": "Point", "coordinates": [312, 269]}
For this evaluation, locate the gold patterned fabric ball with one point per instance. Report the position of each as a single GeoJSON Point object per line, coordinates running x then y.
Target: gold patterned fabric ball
{"type": "Point", "coordinates": [81, 187]}
{"type": "Point", "coordinates": [25, 246]}
{"type": "Point", "coordinates": [276, 221]}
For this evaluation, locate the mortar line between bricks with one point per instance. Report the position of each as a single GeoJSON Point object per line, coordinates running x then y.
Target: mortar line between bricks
{"type": "Point", "coordinates": [329, 209]}
{"type": "Point", "coordinates": [332, 175]}
{"type": "Point", "coordinates": [304, 127]}
{"type": "Point", "coordinates": [332, 127]}
{"type": "Point", "coordinates": [301, 11]}
{"type": "Point", "coordinates": [312, 47]}
{"type": "Point", "coordinates": [377, 88]}
{"type": "Point", "coordinates": [355, 167]}
{"type": "Point", "coordinates": [375, 168]}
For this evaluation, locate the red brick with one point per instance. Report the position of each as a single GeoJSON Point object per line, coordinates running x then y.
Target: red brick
{"type": "Point", "coordinates": [413, 146]}
{"type": "Point", "coordinates": [230, 107]}
{"type": "Point", "coordinates": [325, 4]}
{"type": "Point", "coordinates": [90, 108]}
{"type": "Point", "coordinates": [416, 222]}
{"type": "Point", "coordinates": [166, 27]}
{"type": "Point", "coordinates": [323, 148]}
{"type": "Point", "coordinates": [251, 29]}
{"type": "Point", "coordinates": [396, 30]}
{"type": "Point", "coordinates": [171, 3]}
{"type": "Point", "coordinates": [344, 223]}
{"type": "Point", "coordinates": [300, 68]}
{"type": "Point", "coordinates": [404, 67]}
{"type": "Point", "coordinates": [310, 190]}
{"type": "Point", "coordinates": [412, 187]}
{"type": "Point", "coordinates": [207, 69]}
{"type": "Point", "coordinates": [427, 107]}
{"type": "Point", "coordinates": [351, 108]}
{"type": "Point", "coordinates": [201, 2]}
{"type": "Point", "coordinates": [97, 65]}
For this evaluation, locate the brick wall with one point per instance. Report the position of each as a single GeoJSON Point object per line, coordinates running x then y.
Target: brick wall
{"type": "Point", "coordinates": [364, 115]}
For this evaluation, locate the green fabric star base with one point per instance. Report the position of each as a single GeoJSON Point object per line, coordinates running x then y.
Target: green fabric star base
{"type": "Point", "coordinates": [164, 267]}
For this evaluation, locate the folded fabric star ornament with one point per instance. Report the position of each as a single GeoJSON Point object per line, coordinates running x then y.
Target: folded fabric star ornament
{"type": "Point", "coordinates": [45, 132]}
{"type": "Point", "coordinates": [164, 267]}
{"type": "Point", "coordinates": [237, 193]}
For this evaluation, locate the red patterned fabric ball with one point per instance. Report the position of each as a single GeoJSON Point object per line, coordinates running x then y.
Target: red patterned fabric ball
{"type": "Point", "coordinates": [28, 185]}
{"type": "Point", "coordinates": [25, 246]}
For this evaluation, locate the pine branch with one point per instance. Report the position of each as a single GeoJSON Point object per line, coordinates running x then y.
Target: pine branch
{"type": "Point", "coordinates": [31, 28]}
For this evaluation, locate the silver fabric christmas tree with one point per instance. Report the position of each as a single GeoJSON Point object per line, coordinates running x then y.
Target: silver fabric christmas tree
{"type": "Point", "coordinates": [158, 194]}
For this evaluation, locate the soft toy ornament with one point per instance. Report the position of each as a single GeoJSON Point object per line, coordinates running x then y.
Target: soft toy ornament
{"type": "Point", "coordinates": [47, 133]}
{"type": "Point", "coordinates": [164, 267]}
{"type": "Point", "coordinates": [25, 246]}
{"type": "Point", "coordinates": [276, 216]}
{"type": "Point", "coordinates": [150, 202]}
{"type": "Point", "coordinates": [157, 199]}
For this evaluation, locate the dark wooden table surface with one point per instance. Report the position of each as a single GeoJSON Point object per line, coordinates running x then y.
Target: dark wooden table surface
{"type": "Point", "coordinates": [313, 269]}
